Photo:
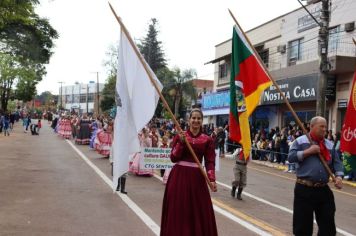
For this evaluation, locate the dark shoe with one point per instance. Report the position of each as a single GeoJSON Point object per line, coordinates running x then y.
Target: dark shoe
{"type": "Point", "coordinates": [123, 183]}
{"type": "Point", "coordinates": [239, 191]}
{"type": "Point", "coordinates": [233, 191]}
{"type": "Point", "coordinates": [118, 184]}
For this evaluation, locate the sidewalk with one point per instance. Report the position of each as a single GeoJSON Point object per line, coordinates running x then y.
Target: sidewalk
{"type": "Point", "coordinates": [285, 168]}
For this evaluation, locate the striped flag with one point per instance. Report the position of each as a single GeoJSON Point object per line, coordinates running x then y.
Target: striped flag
{"type": "Point", "coordinates": [248, 79]}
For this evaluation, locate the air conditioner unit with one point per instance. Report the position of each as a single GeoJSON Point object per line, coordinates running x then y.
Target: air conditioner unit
{"type": "Point", "coordinates": [349, 26]}
{"type": "Point", "coordinates": [281, 48]}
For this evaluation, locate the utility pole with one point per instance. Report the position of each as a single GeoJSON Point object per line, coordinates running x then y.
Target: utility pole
{"type": "Point", "coordinates": [323, 53]}
{"type": "Point", "coordinates": [97, 92]}
{"type": "Point", "coordinates": [324, 63]}
{"type": "Point", "coordinates": [87, 98]}
{"type": "Point", "coordinates": [60, 106]}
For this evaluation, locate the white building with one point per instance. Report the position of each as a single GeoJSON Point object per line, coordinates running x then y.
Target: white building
{"type": "Point", "coordinates": [80, 97]}
{"type": "Point", "coordinates": [288, 45]}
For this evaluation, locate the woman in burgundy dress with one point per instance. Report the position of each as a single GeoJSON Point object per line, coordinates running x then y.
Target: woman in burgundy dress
{"type": "Point", "coordinates": [187, 208]}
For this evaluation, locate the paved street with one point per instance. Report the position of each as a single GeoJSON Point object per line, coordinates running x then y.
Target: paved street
{"type": "Point", "coordinates": [48, 188]}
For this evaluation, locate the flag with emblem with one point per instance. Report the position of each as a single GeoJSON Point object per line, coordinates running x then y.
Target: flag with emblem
{"type": "Point", "coordinates": [248, 79]}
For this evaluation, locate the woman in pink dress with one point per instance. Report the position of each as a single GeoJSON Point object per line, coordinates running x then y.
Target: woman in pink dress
{"type": "Point", "coordinates": [103, 140]}
{"type": "Point", "coordinates": [145, 141]}
{"type": "Point", "coordinates": [187, 207]}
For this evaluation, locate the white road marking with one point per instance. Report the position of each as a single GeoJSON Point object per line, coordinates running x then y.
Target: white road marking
{"type": "Point", "coordinates": [131, 204]}
{"type": "Point", "coordinates": [341, 231]}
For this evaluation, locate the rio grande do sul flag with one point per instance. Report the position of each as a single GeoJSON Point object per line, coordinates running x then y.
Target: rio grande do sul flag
{"type": "Point", "coordinates": [348, 133]}
{"type": "Point", "coordinates": [248, 79]}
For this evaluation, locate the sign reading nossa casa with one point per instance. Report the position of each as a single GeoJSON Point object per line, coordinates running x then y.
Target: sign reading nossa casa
{"type": "Point", "coordinates": [297, 89]}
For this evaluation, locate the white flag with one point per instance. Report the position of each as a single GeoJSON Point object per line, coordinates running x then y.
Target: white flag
{"type": "Point", "coordinates": [136, 100]}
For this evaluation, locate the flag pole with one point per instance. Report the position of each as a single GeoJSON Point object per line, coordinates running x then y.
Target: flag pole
{"type": "Point", "coordinates": [123, 28]}
{"type": "Point", "coordinates": [283, 96]}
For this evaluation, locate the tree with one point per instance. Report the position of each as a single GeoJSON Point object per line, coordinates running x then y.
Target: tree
{"type": "Point", "coordinates": [23, 33]}
{"type": "Point", "coordinates": [108, 93]}
{"type": "Point", "coordinates": [26, 41]}
{"type": "Point", "coordinates": [177, 85]}
{"type": "Point", "coordinates": [151, 48]}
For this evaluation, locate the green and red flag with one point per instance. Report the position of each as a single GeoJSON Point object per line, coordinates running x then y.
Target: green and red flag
{"type": "Point", "coordinates": [348, 133]}
{"type": "Point", "coordinates": [248, 79]}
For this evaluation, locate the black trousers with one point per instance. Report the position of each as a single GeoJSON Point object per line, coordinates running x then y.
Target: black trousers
{"type": "Point", "coordinates": [309, 200]}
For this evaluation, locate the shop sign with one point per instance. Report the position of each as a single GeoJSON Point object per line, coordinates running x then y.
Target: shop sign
{"type": "Point", "coordinates": [306, 22]}
{"type": "Point", "coordinates": [216, 100]}
{"type": "Point", "coordinates": [342, 103]}
{"type": "Point", "coordinates": [296, 89]}
{"type": "Point", "coordinates": [330, 93]}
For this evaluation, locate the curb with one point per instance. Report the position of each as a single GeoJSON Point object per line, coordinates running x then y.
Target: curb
{"type": "Point", "coordinates": [285, 167]}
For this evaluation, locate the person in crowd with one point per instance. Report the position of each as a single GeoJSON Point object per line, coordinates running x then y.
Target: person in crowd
{"type": "Point", "coordinates": [240, 173]}
{"type": "Point", "coordinates": [6, 124]}
{"type": "Point", "coordinates": [39, 126]}
{"type": "Point", "coordinates": [145, 141]}
{"type": "Point", "coordinates": [103, 140]}
{"type": "Point", "coordinates": [220, 139]}
{"type": "Point", "coordinates": [312, 194]}
{"type": "Point", "coordinates": [12, 120]}
{"type": "Point", "coordinates": [187, 207]}
{"type": "Point", "coordinates": [164, 145]}
{"type": "Point", "coordinates": [83, 131]}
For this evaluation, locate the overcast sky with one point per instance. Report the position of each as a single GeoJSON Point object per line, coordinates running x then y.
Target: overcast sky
{"type": "Point", "coordinates": [189, 31]}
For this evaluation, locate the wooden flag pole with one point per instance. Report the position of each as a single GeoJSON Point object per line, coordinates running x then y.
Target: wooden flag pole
{"type": "Point", "coordinates": [123, 28]}
{"type": "Point", "coordinates": [283, 96]}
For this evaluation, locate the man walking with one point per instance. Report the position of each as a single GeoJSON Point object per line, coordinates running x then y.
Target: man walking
{"type": "Point", "coordinates": [240, 173]}
{"type": "Point", "coordinates": [312, 193]}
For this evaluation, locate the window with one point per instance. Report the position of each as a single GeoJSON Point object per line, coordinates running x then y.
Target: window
{"type": "Point", "coordinates": [68, 98]}
{"type": "Point", "coordinates": [295, 51]}
{"type": "Point", "coordinates": [83, 98]}
{"type": "Point", "coordinates": [223, 73]}
{"type": "Point", "coordinates": [91, 97]}
{"type": "Point", "coordinates": [223, 70]}
{"type": "Point", "coordinates": [334, 39]}
{"type": "Point", "coordinates": [264, 53]}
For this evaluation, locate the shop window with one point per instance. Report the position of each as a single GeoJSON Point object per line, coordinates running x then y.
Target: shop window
{"type": "Point", "coordinates": [294, 51]}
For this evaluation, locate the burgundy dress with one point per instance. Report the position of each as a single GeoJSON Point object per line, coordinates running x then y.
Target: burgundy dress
{"type": "Point", "coordinates": [187, 208]}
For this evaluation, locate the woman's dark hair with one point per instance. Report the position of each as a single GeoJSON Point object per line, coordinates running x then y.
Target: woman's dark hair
{"type": "Point", "coordinates": [196, 110]}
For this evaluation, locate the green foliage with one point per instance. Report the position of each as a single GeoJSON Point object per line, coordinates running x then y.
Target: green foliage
{"type": "Point", "coordinates": [108, 93]}
{"type": "Point", "coordinates": [151, 48]}
{"type": "Point", "coordinates": [26, 41]}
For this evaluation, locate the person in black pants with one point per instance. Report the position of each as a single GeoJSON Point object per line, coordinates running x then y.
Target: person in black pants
{"type": "Point", "coordinates": [312, 193]}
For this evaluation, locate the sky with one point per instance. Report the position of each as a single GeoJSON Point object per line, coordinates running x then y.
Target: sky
{"type": "Point", "coordinates": [188, 29]}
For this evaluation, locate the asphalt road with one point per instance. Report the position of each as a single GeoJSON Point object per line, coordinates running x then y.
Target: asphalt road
{"type": "Point", "coordinates": [48, 188]}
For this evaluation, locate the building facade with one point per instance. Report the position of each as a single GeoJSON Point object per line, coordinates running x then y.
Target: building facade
{"type": "Point", "coordinates": [80, 98]}
{"type": "Point", "coordinates": [288, 46]}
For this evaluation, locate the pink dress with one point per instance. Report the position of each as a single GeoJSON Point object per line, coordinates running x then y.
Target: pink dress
{"type": "Point", "coordinates": [135, 165]}
{"type": "Point", "coordinates": [103, 142]}
{"type": "Point", "coordinates": [187, 207]}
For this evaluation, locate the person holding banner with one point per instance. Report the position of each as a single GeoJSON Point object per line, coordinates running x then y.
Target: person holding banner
{"type": "Point", "coordinates": [187, 207]}
{"type": "Point", "coordinates": [311, 192]}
